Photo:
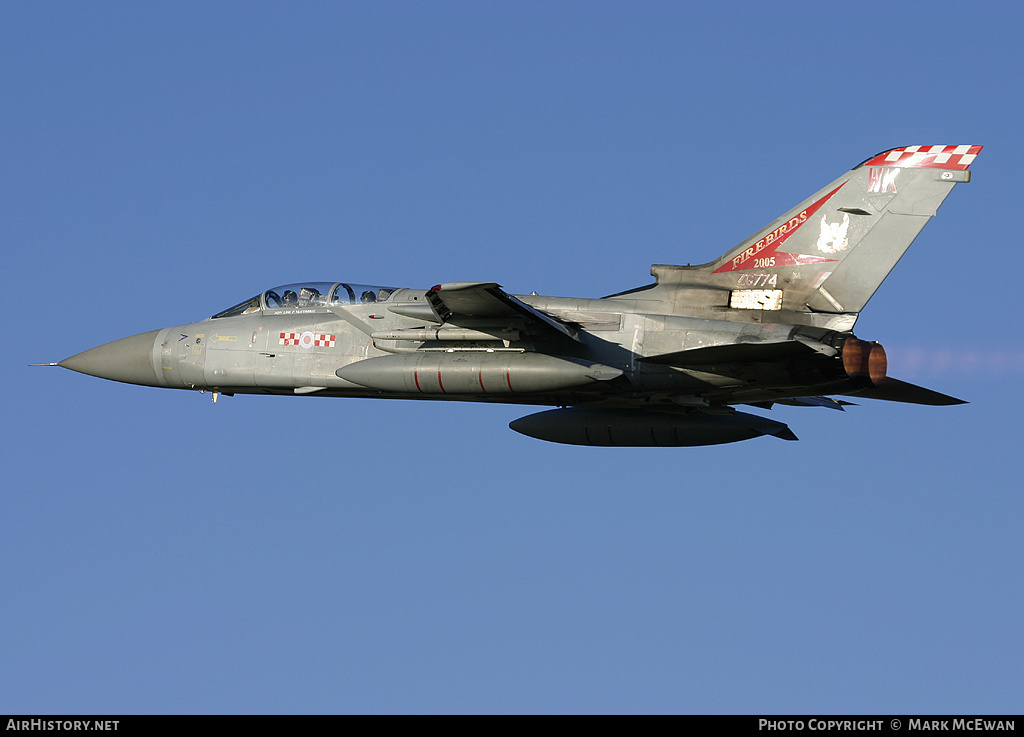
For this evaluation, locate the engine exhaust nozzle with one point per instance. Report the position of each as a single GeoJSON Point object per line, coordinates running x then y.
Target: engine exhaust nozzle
{"type": "Point", "coordinates": [864, 361]}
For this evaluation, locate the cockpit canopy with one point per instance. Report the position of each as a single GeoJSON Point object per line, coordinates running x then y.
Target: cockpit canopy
{"type": "Point", "coordinates": [309, 295]}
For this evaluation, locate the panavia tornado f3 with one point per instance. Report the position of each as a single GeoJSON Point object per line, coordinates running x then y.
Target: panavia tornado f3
{"type": "Point", "coordinates": [769, 322]}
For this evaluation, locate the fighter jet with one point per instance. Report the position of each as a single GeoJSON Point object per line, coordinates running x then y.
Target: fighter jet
{"type": "Point", "coordinates": [768, 322]}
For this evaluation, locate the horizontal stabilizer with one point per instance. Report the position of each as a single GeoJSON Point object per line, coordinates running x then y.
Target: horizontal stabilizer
{"type": "Point", "coordinates": [785, 434]}
{"type": "Point", "coordinates": [733, 353]}
{"type": "Point", "coordinates": [829, 402]}
{"type": "Point", "coordinates": [894, 390]}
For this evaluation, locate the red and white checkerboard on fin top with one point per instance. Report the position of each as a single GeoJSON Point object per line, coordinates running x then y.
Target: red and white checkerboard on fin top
{"type": "Point", "coordinates": [926, 157]}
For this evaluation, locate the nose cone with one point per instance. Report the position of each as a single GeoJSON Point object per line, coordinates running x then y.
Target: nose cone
{"type": "Point", "coordinates": [129, 360]}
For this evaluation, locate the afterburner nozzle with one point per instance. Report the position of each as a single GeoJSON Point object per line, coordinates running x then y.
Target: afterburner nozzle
{"type": "Point", "coordinates": [864, 361]}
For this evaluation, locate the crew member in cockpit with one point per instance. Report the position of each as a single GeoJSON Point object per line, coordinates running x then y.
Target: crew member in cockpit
{"type": "Point", "coordinates": [309, 296]}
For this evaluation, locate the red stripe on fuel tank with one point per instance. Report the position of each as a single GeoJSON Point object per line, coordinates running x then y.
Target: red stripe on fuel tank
{"type": "Point", "coordinates": [508, 380]}
{"type": "Point", "coordinates": [439, 383]}
{"type": "Point", "coordinates": [416, 378]}
{"type": "Point", "coordinates": [480, 376]}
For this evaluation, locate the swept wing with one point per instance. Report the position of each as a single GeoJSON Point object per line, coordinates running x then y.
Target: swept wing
{"type": "Point", "coordinates": [489, 300]}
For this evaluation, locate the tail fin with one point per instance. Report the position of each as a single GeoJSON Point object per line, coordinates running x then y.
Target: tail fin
{"type": "Point", "coordinates": [832, 251]}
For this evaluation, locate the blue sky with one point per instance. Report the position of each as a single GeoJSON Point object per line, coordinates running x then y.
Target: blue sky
{"type": "Point", "coordinates": [163, 161]}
